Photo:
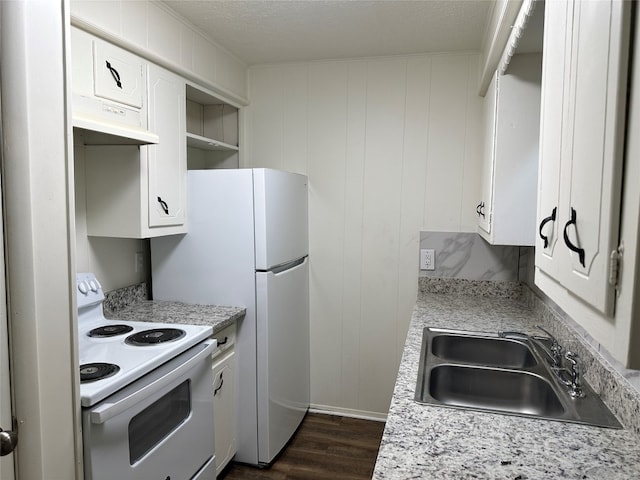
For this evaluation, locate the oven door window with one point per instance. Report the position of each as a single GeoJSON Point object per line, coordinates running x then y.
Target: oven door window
{"type": "Point", "coordinates": [153, 424]}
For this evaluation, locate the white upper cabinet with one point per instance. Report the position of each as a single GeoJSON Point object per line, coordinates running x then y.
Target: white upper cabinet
{"type": "Point", "coordinates": [118, 74]}
{"type": "Point", "coordinates": [484, 207]}
{"type": "Point", "coordinates": [507, 210]}
{"type": "Point", "coordinates": [582, 137]}
{"type": "Point", "coordinates": [167, 161]}
{"type": "Point", "coordinates": [108, 92]}
{"type": "Point", "coordinates": [140, 192]}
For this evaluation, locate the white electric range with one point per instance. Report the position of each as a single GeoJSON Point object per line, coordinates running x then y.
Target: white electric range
{"type": "Point", "coordinates": [146, 388]}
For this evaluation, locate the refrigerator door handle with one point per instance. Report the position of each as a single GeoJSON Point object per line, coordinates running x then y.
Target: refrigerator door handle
{"type": "Point", "coordinates": [285, 266]}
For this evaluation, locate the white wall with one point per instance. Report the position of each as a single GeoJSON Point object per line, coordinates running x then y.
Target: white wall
{"type": "Point", "coordinates": [391, 147]}
{"type": "Point", "coordinates": [111, 259]}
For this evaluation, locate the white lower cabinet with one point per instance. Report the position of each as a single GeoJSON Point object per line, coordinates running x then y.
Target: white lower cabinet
{"type": "Point", "coordinates": [225, 398]}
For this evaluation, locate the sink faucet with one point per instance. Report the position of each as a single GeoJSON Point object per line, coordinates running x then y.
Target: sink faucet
{"type": "Point", "coordinates": [575, 371]}
{"type": "Point", "coordinates": [554, 352]}
{"type": "Point", "coordinates": [571, 376]}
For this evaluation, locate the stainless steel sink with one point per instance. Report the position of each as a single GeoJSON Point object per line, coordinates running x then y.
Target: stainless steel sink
{"type": "Point", "coordinates": [469, 348]}
{"type": "Point", "coordinates": [486, 372]}
{"type": "Point", "coordinates": [493, 388]}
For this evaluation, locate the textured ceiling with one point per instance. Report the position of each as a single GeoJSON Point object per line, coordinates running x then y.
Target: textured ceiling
{"type": "Point", "coordinates": [270, 31]}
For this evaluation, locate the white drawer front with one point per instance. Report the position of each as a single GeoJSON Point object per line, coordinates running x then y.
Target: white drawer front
{"type": "Point", "coordinates": [118, 74]}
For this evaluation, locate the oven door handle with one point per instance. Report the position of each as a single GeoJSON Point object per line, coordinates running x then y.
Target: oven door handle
{"type": "Point", "coordinates": [110, 409]}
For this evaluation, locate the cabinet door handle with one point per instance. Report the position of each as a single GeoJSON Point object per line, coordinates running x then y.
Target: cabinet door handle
{"type": "Point", "coordinates": [550, 218]}
{"type": "Point", "coordinates": [571, 246]}
{"type": "Point", "coordinates": [222, 342]}
{"type": "Point", "coordinates": [164, 205]}
{"type": "Point", "coordinates": [215, 392]}
{"type": "Point", "coordinates": [480, 209]}
{"type": "Point", "coordinates": [114, 74]}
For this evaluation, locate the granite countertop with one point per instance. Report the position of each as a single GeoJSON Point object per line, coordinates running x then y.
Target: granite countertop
{"type": "Point", "coordinates": [432, 442]}
{"type": "Point", "coordinates": [216, 316]}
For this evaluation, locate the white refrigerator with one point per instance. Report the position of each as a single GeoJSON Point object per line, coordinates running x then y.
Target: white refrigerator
{"type": "Point", "coordinates": [247, 245]}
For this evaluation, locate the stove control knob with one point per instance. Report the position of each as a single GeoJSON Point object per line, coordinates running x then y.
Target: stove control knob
{"type": "Point", "coordinates": [93, 286]}
{"type": "Point", "coordinates": [83, 287]}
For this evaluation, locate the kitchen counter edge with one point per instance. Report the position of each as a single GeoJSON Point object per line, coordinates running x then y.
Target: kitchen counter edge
{"type": "Point", "coordinates": [216, 316]}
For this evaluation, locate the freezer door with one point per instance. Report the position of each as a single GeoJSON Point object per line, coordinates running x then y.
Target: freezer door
{"type": "Point", "coordinates": [281, 219]}
{"type": "Point", "coordinates": [282, 356]}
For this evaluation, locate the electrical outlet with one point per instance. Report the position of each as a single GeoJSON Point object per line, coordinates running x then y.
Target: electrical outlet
{"type": "Point", "coordinates": [138, 262]}
{"type": "Point", "coordinates": [427, 259]}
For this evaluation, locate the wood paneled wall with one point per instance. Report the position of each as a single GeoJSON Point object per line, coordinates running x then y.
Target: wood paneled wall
{"type": "Point", "coordinates": [154, 31]}
{"type": "Point", "coordinates": [391, 146]}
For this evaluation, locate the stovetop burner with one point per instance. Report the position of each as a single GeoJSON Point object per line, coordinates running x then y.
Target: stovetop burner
{"type": "Point", "coordinates": [109, 331]}
{"type": "Point", "coordinates": [155, 336]}
{"type": "Point", "coordinates": [150, 345]}
{"type": "Point", "coordinates": [90, 372]}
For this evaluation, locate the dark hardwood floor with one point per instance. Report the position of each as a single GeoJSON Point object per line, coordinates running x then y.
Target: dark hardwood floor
{"type": "Point", "coordinates": [324, 447]}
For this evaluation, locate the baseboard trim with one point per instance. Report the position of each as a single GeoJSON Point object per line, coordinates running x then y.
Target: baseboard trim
{"type": "Point", "coordinates": [348, 412]}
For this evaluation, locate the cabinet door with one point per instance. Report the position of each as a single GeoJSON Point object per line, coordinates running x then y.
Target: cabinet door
{"type": "Point", "coordinates": [507, 211]}
{"type": "Point", "coordinates": [585, 75]}
{"type": "Point", "coordinates": [596, 121]}
{"type": "Point", "coordinates": [484, 207]}
{"type": "Point", "coordinates": [224, 410]}
{"type": "Point", "coordinates": [118, 74]}
{"type": "Point", "coordinates": [167, 161]}
{"type": "Point", "coordinates": [555, 68]}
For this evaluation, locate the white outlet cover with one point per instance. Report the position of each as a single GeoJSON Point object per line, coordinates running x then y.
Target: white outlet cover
{"type": "Point", "coordinates": [427, 259]}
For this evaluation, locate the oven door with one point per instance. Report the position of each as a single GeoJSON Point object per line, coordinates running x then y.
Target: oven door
{"type": "Point", "coordinates": [157, 428]}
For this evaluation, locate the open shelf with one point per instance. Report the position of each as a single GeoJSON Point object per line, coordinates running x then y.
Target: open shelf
{"type": "Point", "coordinates": [205, 143]}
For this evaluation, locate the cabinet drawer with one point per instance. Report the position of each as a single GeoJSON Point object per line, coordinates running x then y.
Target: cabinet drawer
{"type": "Point", "coordinates": [226, 339]}
{"type": "Point", "coordinates": [118, 74]}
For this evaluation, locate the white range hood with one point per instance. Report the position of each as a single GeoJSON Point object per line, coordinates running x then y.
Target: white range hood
{"type": "Point", "coordinates": [99, 122]}
{"type": "Point", "coordinates": [96, 132]}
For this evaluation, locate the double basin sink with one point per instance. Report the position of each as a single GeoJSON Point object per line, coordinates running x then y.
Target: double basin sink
{"type": "Point", "coordinates": [491, 373]}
